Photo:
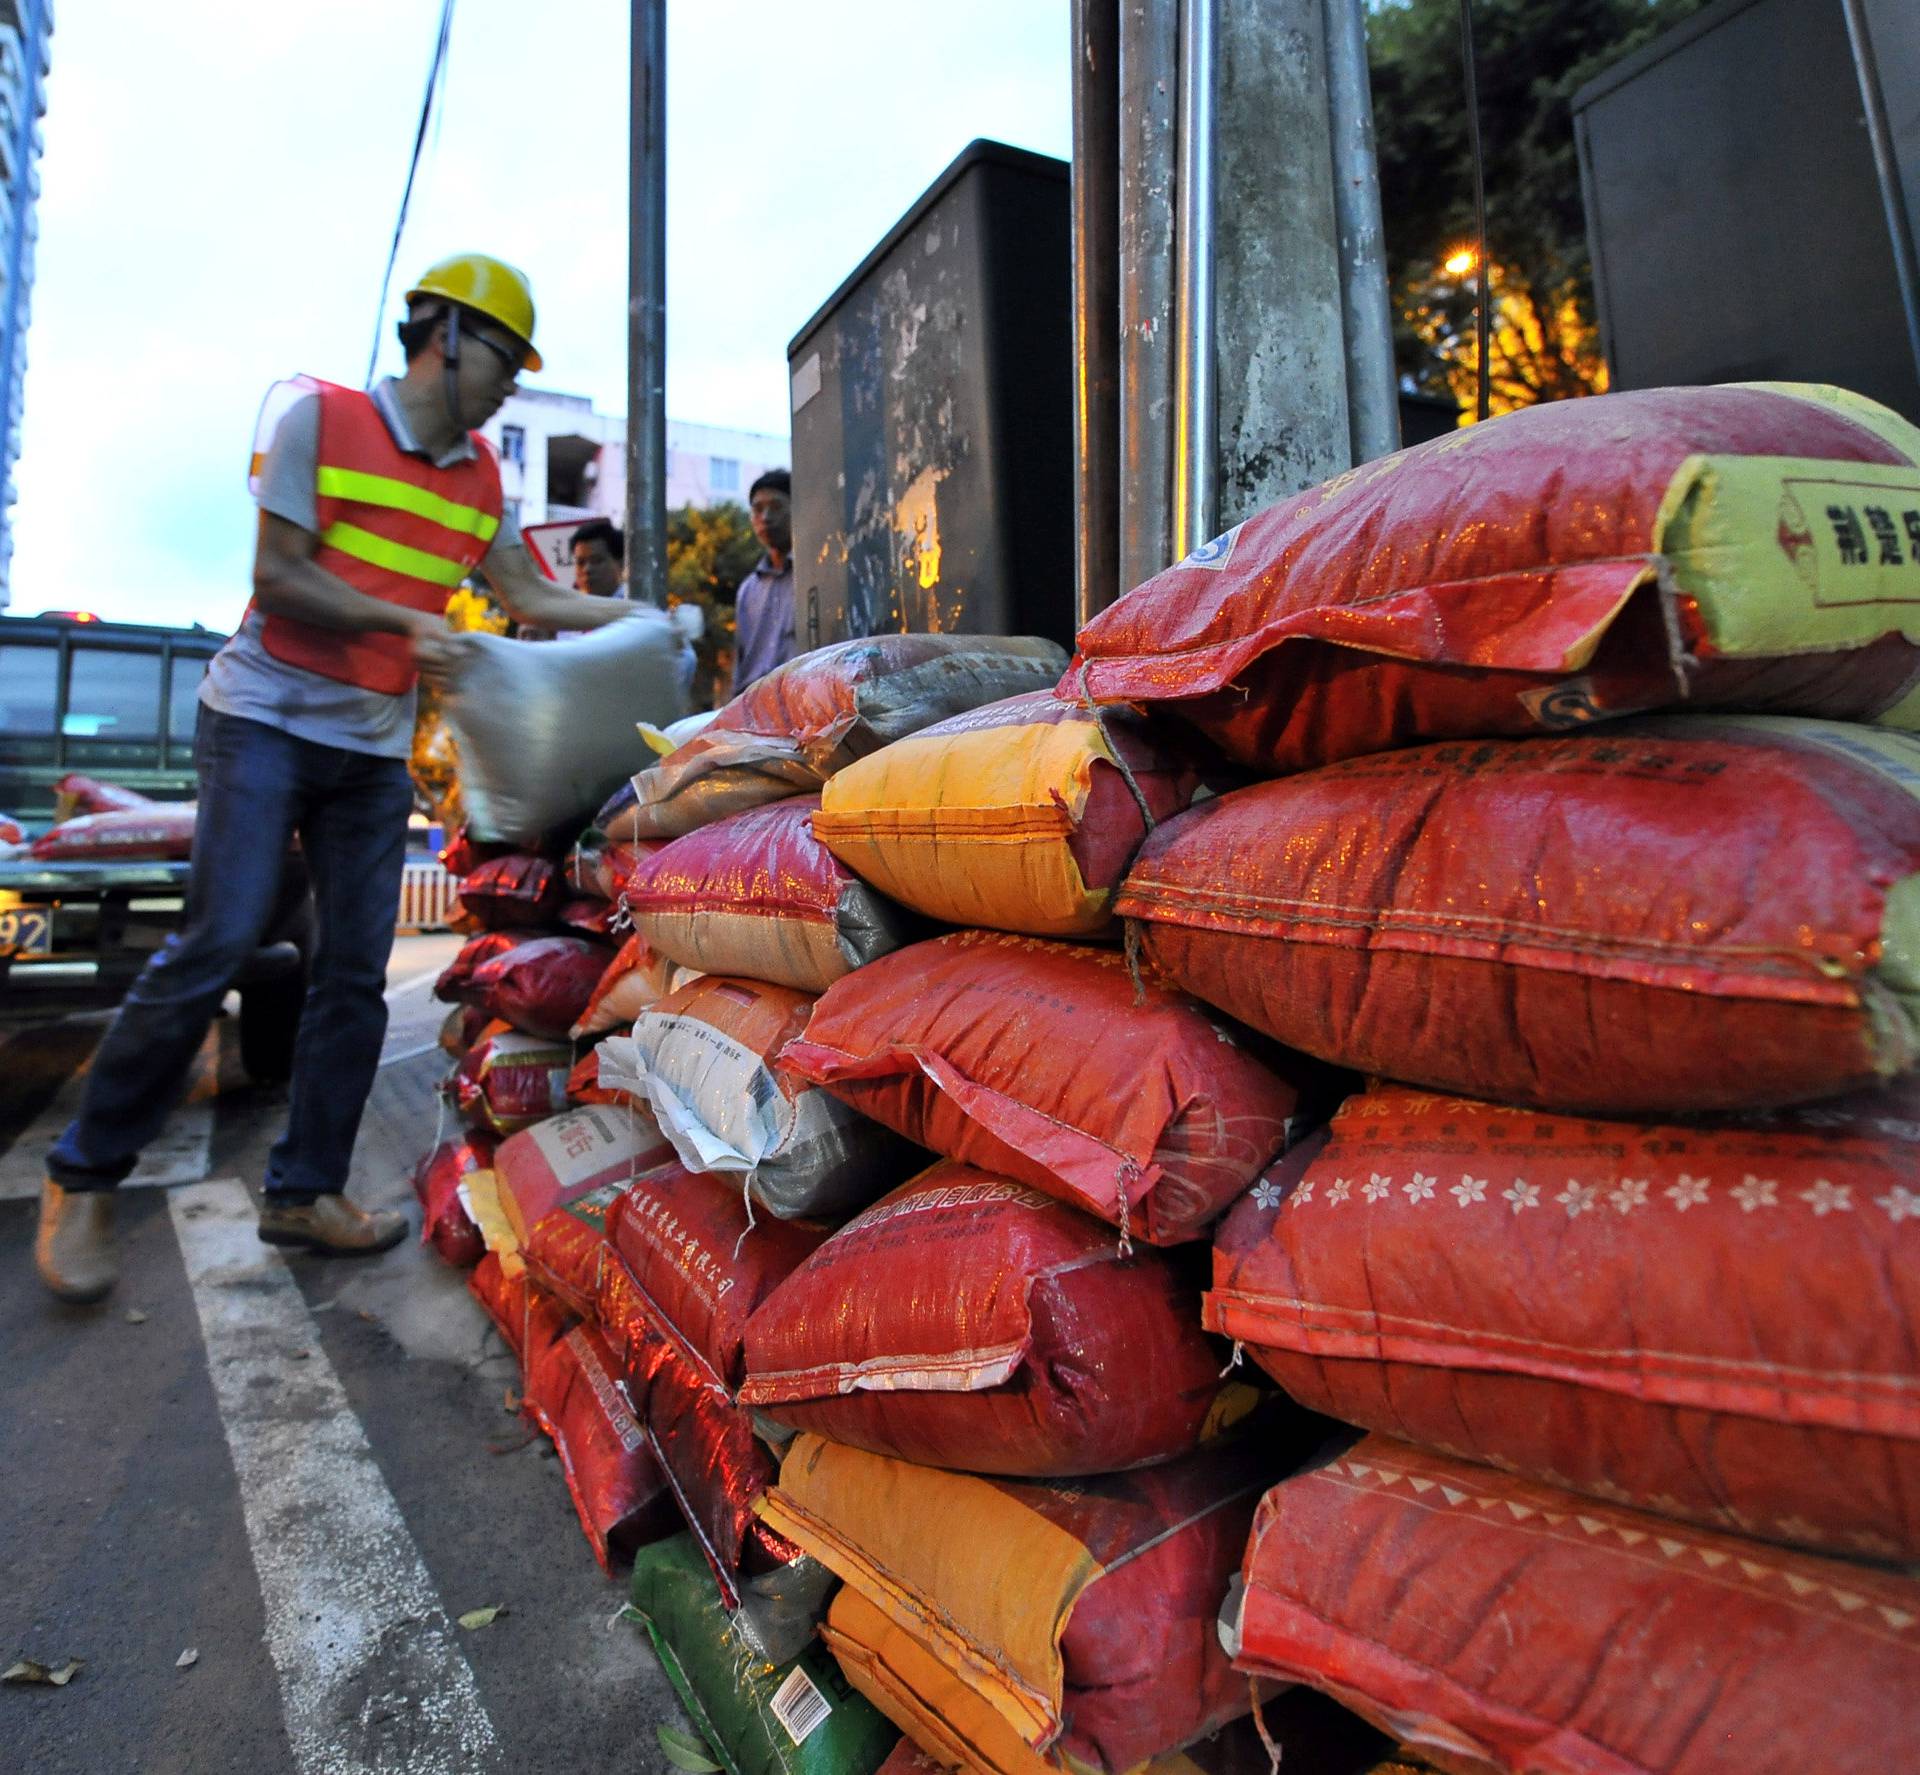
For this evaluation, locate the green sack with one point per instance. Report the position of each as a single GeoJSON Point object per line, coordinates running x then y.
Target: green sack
{"type": "Point", "coordinates": [797, 1718]}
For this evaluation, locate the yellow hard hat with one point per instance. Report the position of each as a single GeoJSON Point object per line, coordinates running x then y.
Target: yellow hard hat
{"type": "Point", "coordinates": [487, 286]}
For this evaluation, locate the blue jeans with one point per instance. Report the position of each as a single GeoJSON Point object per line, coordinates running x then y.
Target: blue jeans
{"type": "Point", "coordinates": [258, 788]}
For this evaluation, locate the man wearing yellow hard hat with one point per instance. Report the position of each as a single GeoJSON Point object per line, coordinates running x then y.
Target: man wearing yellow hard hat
{"type": "Point", "coordinates": [374, 506]}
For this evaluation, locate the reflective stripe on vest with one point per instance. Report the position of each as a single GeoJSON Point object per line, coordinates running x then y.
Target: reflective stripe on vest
{"type": "Point", "coordinates": [369, 489]}
{"type": "Point", "coordinates": [395, 557]}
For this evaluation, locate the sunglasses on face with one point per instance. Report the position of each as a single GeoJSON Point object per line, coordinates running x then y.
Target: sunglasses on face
{"type": "Point", "coordinates": [508, 355]}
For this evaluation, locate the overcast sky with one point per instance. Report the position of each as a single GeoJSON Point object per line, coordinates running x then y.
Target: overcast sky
{"type": "Point", "coordinates": [220, 188]}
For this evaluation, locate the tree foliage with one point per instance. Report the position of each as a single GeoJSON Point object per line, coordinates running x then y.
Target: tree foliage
{"type": "Point", "coordinates": [1532, 57]}
{"type": "Point", "coordinates": [710, 550]}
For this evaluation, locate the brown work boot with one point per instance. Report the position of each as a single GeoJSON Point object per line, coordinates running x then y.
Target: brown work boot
{"type": "Point", "coordinates": [74, 1251]}
{"type": "Point", "coordinates": [332, 1225]}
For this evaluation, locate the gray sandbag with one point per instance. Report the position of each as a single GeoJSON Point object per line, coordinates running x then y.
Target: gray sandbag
{"type": "Point", "coordinates": [546, 732]}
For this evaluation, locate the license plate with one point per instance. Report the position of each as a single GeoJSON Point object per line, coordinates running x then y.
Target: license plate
{"type": "Point", "coordinates": [26, 930]}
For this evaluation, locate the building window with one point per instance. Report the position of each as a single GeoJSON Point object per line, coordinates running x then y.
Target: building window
{"type": "Point", "coordinates": [513, 443]}
{"type": "Point", "coordinates": [723, 474]}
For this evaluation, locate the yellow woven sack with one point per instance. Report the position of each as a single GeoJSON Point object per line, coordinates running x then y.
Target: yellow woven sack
{"type": "Point", "coordinates": [1021, 816]}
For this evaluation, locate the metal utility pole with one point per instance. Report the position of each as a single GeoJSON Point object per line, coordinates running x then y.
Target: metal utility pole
{"type": "Point", "coordinates": [1096, 303]}
{"type": "Point", "coordinates": [1254, 348]}
{"type": "Point", "coordinates": [646, 524]}
{"type": "Point", "coordinates": [1886, 166]}
{"type": "Point", "coordinates": [1149, 63]}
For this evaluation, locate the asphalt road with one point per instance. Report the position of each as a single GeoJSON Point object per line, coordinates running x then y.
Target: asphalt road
{"type": "Point", "coordinates": [303, 1471]}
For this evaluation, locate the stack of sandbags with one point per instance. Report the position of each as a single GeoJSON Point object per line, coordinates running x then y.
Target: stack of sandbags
{"type": "Point", "coordinates": [1004, 1312]}
{"type": "Point", "coordinates": [1615, 1262]}
{"type": "Point", "coordinates": [693, 1173]}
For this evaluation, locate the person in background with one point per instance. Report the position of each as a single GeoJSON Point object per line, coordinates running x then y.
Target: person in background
{"type": "Point", "coordinates": [373, 508]}
{"type": "Point", "coordinates": [600, 559]}
{"type": "Point", "coordinates": [763, 608]}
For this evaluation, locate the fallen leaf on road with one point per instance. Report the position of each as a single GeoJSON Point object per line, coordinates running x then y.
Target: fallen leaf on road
{"type": "Point", "coordinates": [29, 1671]}
{"type": "Point", "coordinates": [477, 1618]}
{"type": "Point", "coordinates": [684, 1751]}
{"type": "Point", "coordinates": [187, 1659]}
{"type": "Point", "coordinates": [509, 1400]}
{"type": "Point", "coordinates": [135, 1316]}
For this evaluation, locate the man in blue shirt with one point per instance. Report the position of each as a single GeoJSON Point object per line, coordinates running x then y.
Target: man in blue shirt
{"type": "Point", "coordinates": [763, 609]}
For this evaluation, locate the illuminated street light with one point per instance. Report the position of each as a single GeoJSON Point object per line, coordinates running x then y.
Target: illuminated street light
{"type": "Point", "coordinates": [1458, 264]}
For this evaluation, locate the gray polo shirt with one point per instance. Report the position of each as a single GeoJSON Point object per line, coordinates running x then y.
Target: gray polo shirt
{"type": "Point", "coordinates": [244, 679]}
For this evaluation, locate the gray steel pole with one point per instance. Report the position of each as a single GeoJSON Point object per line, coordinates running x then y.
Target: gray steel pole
{"type": "Point", "coordinates": [1279, 325]}
{"type": "Point", "coordinates": [1149, 79]}
{"type": "Point", "coordinates": [647, 307]}
{"type": "Point", "coordinates": [1096, 303]}
{"type": "Point", "coordinates": [1196, 499]}
{"type": "Point", "coordinates": [1887, 166]}
{"type": "Point", "coordinates": [1373, 395]}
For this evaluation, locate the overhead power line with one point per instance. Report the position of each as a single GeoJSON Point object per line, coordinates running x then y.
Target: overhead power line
{"type": "Point", "coordinates": [436, 81]}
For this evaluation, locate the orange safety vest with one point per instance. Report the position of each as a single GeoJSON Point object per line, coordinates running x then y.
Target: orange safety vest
{"type": "Point", "coordinates": [392, 525]}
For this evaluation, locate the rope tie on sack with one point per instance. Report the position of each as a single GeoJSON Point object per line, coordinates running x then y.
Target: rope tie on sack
{"type": "Point", "coordinates": [1119, 757]}
{"type": "Point", "coordinates": [1235, 1360]}
{"type": "Point", "coordinates": [1129, 1172]}
{"type": "Point", "coordinates": [440, 1095]}
{"type": "Point", "coordinates": [1146, 819]}
{"type": "Point", "coordinates": [746, 1195]}
{"type": "Point", "coordinates": [1268, 1743]}
{"type": "Point", "coordinates": [1130, 933]}
{"type": "Point", "coordinates": [621, 920]}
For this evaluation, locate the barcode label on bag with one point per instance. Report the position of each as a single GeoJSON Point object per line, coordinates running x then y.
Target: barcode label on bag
{"type": "Point", "coordinates": [799, 1706]}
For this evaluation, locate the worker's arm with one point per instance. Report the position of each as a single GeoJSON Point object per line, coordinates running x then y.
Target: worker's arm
{"type": "Point", "coordinates": [532, 599]}
{"type": "Point", "coordinates": [288, 581]}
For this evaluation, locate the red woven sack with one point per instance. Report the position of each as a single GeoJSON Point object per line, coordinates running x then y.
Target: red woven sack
{"type": "Point", "coordinates": [717, 1466]}
{"type": "Point", "coordinates": [1031, 1060]}
{"type": "Point", "coordinates": [618, 1490]}
{"type": "Point", "coordinates": [1727, 1334]}
{"type": "Point", "coordinates": [504, 1297]}
{"type": "Point", "coordinates": [636, 978]}
{"type": "Point", "coordinates": [455, 985]}
{"type": "Point", "coordinates": [968, 1321]}
{"type": "Point", "coordinates": [508, 1081]}
{"type": "Point", "coordinates": [461, 1028]}
{"type": "Point", "coordinates": [625, 1318]}
{"type": "Point", "coordinates": [157, 831]}
{"type": "Point", "coordinates": [588, 915]}
{"type": "Point", "coordinates": [514, 892]}
{"type": "Point", "coordinates": [76, 793]}
{"type": "Point", "coordinates": [1500, 1624]}
{"type": "Point", "coordinates": [1559, 564]}
{"type": "Point", "coordinates": [757, 894]}
{"type": "Point", "coordinates": [540, 986]}
{"type": "Point", "coordinates": [583, 1083]}
{"type": "Point", "coordinates": [569, 1156]}
{"type": "Point", "coordinates": [445, 1223]}
{"type": "Point", "coordinates": [567, 1247]}
{"type": "Point", "coordinates": [464, 853]}
{"type": "Point", "coordinates": [1679, 915]}
{"type": "Point", "coordinates": [685, 1240]}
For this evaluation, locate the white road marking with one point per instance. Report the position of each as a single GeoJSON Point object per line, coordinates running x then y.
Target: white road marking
{"type": "Point", "coordinates": [180, 1153]}
{"type": "Point", "coordinates": [372, 1679]}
